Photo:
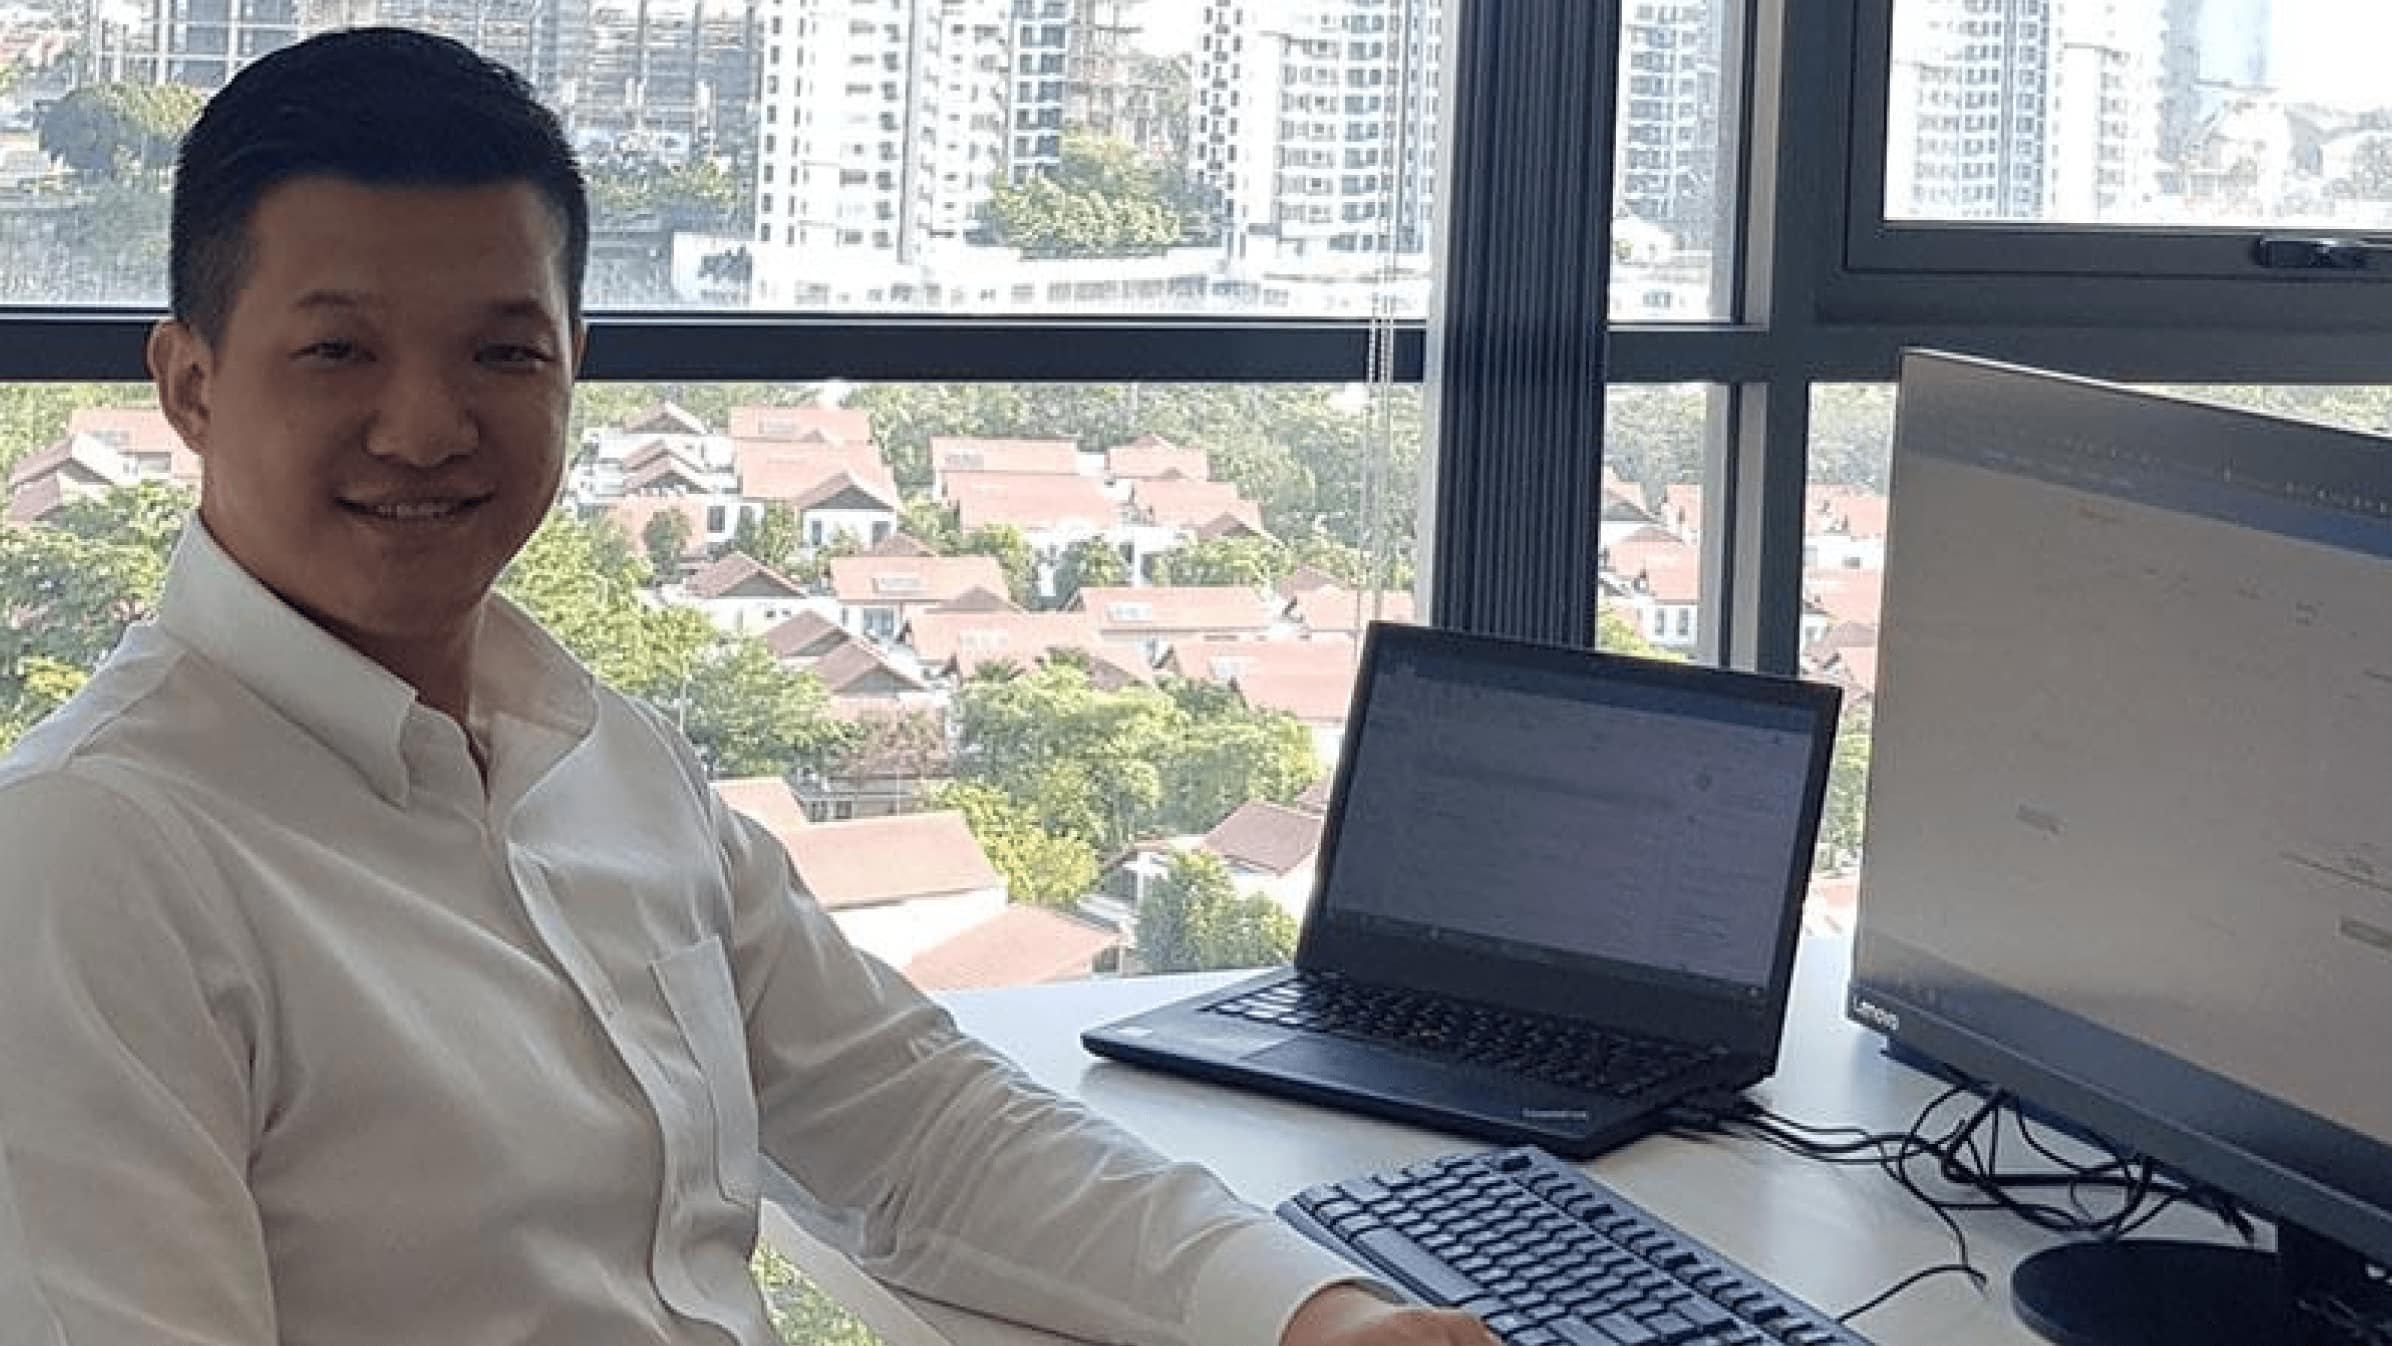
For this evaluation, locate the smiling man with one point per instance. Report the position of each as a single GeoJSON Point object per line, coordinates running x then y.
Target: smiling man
{"type": "Point", "coordinates": [370, 974]}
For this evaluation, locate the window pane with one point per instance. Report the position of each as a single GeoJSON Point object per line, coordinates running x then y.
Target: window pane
{"type": "Point", "coordinates": [1673, 174]}
{"type": "Point", "coordinates": [1843, 575]}
{"type": "Point", "coordinates": [1110, 156]}
{"type": "Point", "coordinates": [2150, 112]}
{"type": "Point", "coordinates": [1064, 654]}
{"type": "Point", "coordinates": [1650, 532]}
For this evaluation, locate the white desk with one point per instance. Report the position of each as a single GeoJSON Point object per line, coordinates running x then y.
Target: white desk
{"type": "Point", "coordinates": [1834, 1236]}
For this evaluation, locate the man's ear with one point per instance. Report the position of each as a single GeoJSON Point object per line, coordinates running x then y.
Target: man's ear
{"type": "Point", "coordinates": [179, 364]}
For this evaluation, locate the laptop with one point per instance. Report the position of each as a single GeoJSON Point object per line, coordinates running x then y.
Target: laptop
{"type": "Point", "coordinates": [1557, 892]}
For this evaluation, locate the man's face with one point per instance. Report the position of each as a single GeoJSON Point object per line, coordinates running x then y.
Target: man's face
{"type": "Point", "coordinates": [383, 419]}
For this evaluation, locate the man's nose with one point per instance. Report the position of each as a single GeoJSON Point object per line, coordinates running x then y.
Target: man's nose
{"type": "Point", "coordinates": [423, 418]}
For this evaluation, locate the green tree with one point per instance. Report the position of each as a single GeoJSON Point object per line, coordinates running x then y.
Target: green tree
{"type": "Point", "coordinates": [1228, 753]}
{"type": "Point", "coordinates": [1105, 199]}
{"type": "Point", "coordinates": [111, 132]}
{"type": "Point", "coordinates": [1089, 561]}
{"type": "Point", "coordinates": [802, 1315]}
{"type": "Point", "coordinates": [769, 536]}
{"type": "Point", "coordinates": [1845, 815]}
{"type": "Point", "coordinates": [1194, 921]}
{"type": "Point", "coordinates": [71, 587]}
{"type": "Point", "coordinates": [1013, 556]}
{"type": "Point", "coordinates": [1041, 867]}
{"type": "Point", "coordinates": [1654, 434]}
{"type": "Point", "coordinates": [1257, 563]}
{"type": "Point", "coordinates": [748, 716]}
{"type": "Point", "coordinates": [576, 581]}
{"type": "Point", "coordinates": [665, 538]}
{"type": "Point", "coordinates": [1615, 634]}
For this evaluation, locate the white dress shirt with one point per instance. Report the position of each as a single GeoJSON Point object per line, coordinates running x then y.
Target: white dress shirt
{"type": "Point", "coordinates": [310, 1035]}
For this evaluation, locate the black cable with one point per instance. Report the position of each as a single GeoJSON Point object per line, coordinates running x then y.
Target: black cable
{"type": "Point", "coordinates": [1975, 1277]}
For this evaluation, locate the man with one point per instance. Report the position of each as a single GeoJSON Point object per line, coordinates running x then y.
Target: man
{"type": "Point", "coordinates": [369, 973]}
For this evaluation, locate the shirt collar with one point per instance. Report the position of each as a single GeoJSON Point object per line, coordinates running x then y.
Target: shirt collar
{"type": "Point", "coordinates": [351, 704]}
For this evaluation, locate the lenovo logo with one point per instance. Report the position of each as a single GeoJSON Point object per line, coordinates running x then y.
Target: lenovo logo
{"type": "Point", "coordinates": [1876, 1016]}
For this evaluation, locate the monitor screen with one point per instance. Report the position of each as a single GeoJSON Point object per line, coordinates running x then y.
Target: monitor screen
{"type": "Point", "coordinates": [1576, 807]}
{"type": "Point", "coordinates": [2130, 840]}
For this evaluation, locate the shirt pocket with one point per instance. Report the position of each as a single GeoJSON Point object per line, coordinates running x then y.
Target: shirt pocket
{"type": "Point", "coordinates": [697, 987]}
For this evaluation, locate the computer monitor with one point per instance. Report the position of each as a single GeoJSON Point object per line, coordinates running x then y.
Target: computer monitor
{"type": "Point", "coordinates": [2129, 851]}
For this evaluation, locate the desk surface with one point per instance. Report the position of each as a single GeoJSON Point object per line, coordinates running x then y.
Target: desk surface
{"type": "Point", "coordinates": [1834, 1236]}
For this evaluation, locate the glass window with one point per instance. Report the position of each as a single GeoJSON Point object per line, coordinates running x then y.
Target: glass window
{"type": "Point", "coordinates": [1673, 173]}
{"type": "Point", "coordinates": [1126, 169]}
{"type": "Point", "coordinates": [1843, 575]}
{"type": "Point", "coordinates": [2172, 113]}
{"type": "Point", "coordinates": [1650, 526]}
{"type": "Point", "coordinates": [1077, 633]}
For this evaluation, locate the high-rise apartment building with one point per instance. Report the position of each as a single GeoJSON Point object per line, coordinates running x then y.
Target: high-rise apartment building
{"type": "Point", "coordinates": [2106, 107]}
{"type": "Point", "coordinates": [1669, 132]}
{"type": "Point", "coordinates": [1316, 120]}
{"type": "Point", "coordinates": [850, 123]}
{"type": "Point", "coordinates": [1040, 61]}
{"type": "Point", "coordinates": [1971, 86]}
{"type": "Point", "coordinates": [663, 80]}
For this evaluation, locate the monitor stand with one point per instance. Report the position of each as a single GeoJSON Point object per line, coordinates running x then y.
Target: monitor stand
{"type": "Point", "coordinates": [2151, 1292]}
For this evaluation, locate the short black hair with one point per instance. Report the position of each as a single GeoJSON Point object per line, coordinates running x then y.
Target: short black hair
{"type": "Point", "coordinates": [380, 106]}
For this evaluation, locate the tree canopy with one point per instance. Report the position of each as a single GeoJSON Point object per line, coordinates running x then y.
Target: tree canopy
{"type": "Point", "coordinates": [1193, 920]}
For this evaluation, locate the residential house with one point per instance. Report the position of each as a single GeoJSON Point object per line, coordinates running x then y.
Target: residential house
{"type": "Point", "coordinates": [766, 801]}
{"type": "Point", "coordinates": [898, 886]}
{"type": "Point", "coordinates": [742, 595]}
{"type": "Point", "coordinates": [612, 455]}
{"type": "Point", "coordinates": [1270, 850]}
{"type": "Point", "coordinates": [1623, 513]}
{"type": "Point", "coordinates": [77, 467]}
{"type": "Point", "coordinates": [1682, 511]}
{"type": "Point", "coordinates": [1020, 457]}
{"type": "Point", "coordinates": [1020, 946]}
{"type": "Point", "coordinates": [843, 505]}
{"type": "Point", "coordinates": [661, 471]}
{"type": "Point", "coordinates": [957, 644]}
{"type": "Point", "coordinates": [769, 470]}
{"type": "Point", "coordinates": [1846, 532]}
{"type": "Point", "coordinates": [1334, 610]}
{"type": "Point", "coordinates": [1312, 680]}
{"type": "Point", "coordinates": [878, 595]}
{"type": "Point", "coordinates": [789, 424]}
{"type": "Point", "coordinates": [1151, 456]}
{"type": "Point", "coordinates": [1660, 582]}
{"type": "Point", "coordinates": [1170, 511]}
{"type": "Point", "coordinates": [1853, 668]}
{"type": "Point", "coordinates": [859, 677]}
{"type": "Point", "coordinates": [1051, 511]}
{"type": "Point", "coordinates": [898, 753]}
{"type": "Point", "coordinates": [633, 514]}
{"type": "Point", "coordinates": [1831, 598]}
{"type": "Point", "coordinates": [804, 638]}
{"type": "Point", "coordinates": [152, 449]}
{"type": "Point", "coordinates": [1155, 617]}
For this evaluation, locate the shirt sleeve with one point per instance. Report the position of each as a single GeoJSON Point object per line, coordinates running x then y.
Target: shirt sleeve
{"type": "Point", "coordinates": [124, 1098]}
{"type": "Point", "coordinates": [939, 1167]}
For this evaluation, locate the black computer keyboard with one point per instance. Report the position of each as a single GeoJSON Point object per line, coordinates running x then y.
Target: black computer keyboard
{"type": "Point", "coordinates": [1557, 1051]}
{"type": "Point", "coordinates": [1549, 1257]}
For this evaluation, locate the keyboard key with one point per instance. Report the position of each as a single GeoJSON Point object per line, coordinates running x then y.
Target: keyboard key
{"type": "Point", "coordinates": [1417, 1266]}
{"type": "Point", "coordinates": [1626, 1331]}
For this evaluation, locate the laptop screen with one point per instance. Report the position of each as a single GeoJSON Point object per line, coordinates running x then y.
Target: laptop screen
{"type": "Point", "coordinates": [1560, 814]}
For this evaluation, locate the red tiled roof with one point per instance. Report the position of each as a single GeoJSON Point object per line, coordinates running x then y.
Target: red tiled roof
{"type": "Point", "coordinates": [1020, 946]}
{"type": "Point", "coordinates": [666, 471]}
{"type": "Point", "coordinates": [808, 635]}
{"type": "Point", "coordinates": [36, 500]}
{"type": "Point", "coordinates": [664, 418]}
{"type": "Point", "coordinates": [1845, 595]}
{"type": "Point", "coordinates": [1029, 501]}
{"type": "Point", "coordinates": [793, 423]}
{"type": "Point", "coordinates": [846, 669]}
{"type": "Point", "coordinates": [1855, 666]}
{"type": "Point", "coordinates": [1332, 608]}
{"type": "Point", "coordinates": [767, 800]}
{"type": "Point", "coordinates": [1682, 506]}
{"type": "Point", "coordinates": [1861, 516]}
{"type": "Point", "coordinates": [1155, 456]}
{"type": "Point", "coordinates": [965, 453]}
{"type": "Point", "coordinates": [880, 494]}
{"type": "Point", "coordinates": [775, 471]}
{"type": "Point", "coordinates": [737, 568]}
{"type": "Point", "coordinates": [94, 456]}
{"type": "Point", "coordinates": [1312, 680]}
{"type": "Point", "coordinates": [1175, 503]}
{"type": "Point", "coordinates": [1671, 567]}
{"type": "Point", "coordinates": [632, 514]}
{"type": "Point", "coordinates": [869, 861]}
{"type": "Point", "coordinates": [1303, 579]}
{"type": "Point", "coordinates": [1841, 636]}
{"type": "Point", "coordinates": [899, 544]}
{"type": "Point", "coordinates": [970, 641]}
{"type": "Point", "coordinates": [861, 581]}
{"type": "Point", "coordinates": [1268, 837]}
{"type": "Point", "coordinates": [1133, 613]}
{"type": "Point", "coordinates": [137, 430]}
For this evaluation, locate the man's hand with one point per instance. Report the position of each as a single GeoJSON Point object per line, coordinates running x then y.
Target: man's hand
{"type": "Point", "coordinates": [1343, 1315]}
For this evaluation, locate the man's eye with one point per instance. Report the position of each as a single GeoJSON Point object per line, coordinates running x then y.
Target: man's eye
{"type": "Point", "coordinates": [329, 352]}
{"type": "Point", "coordinates": [514, 355]}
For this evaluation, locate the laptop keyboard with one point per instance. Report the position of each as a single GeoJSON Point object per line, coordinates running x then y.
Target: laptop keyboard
{"type": "Point", "coordinates": [1575, 1056]}
{"type": "Point", "coordinates": [1549, 1257]}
